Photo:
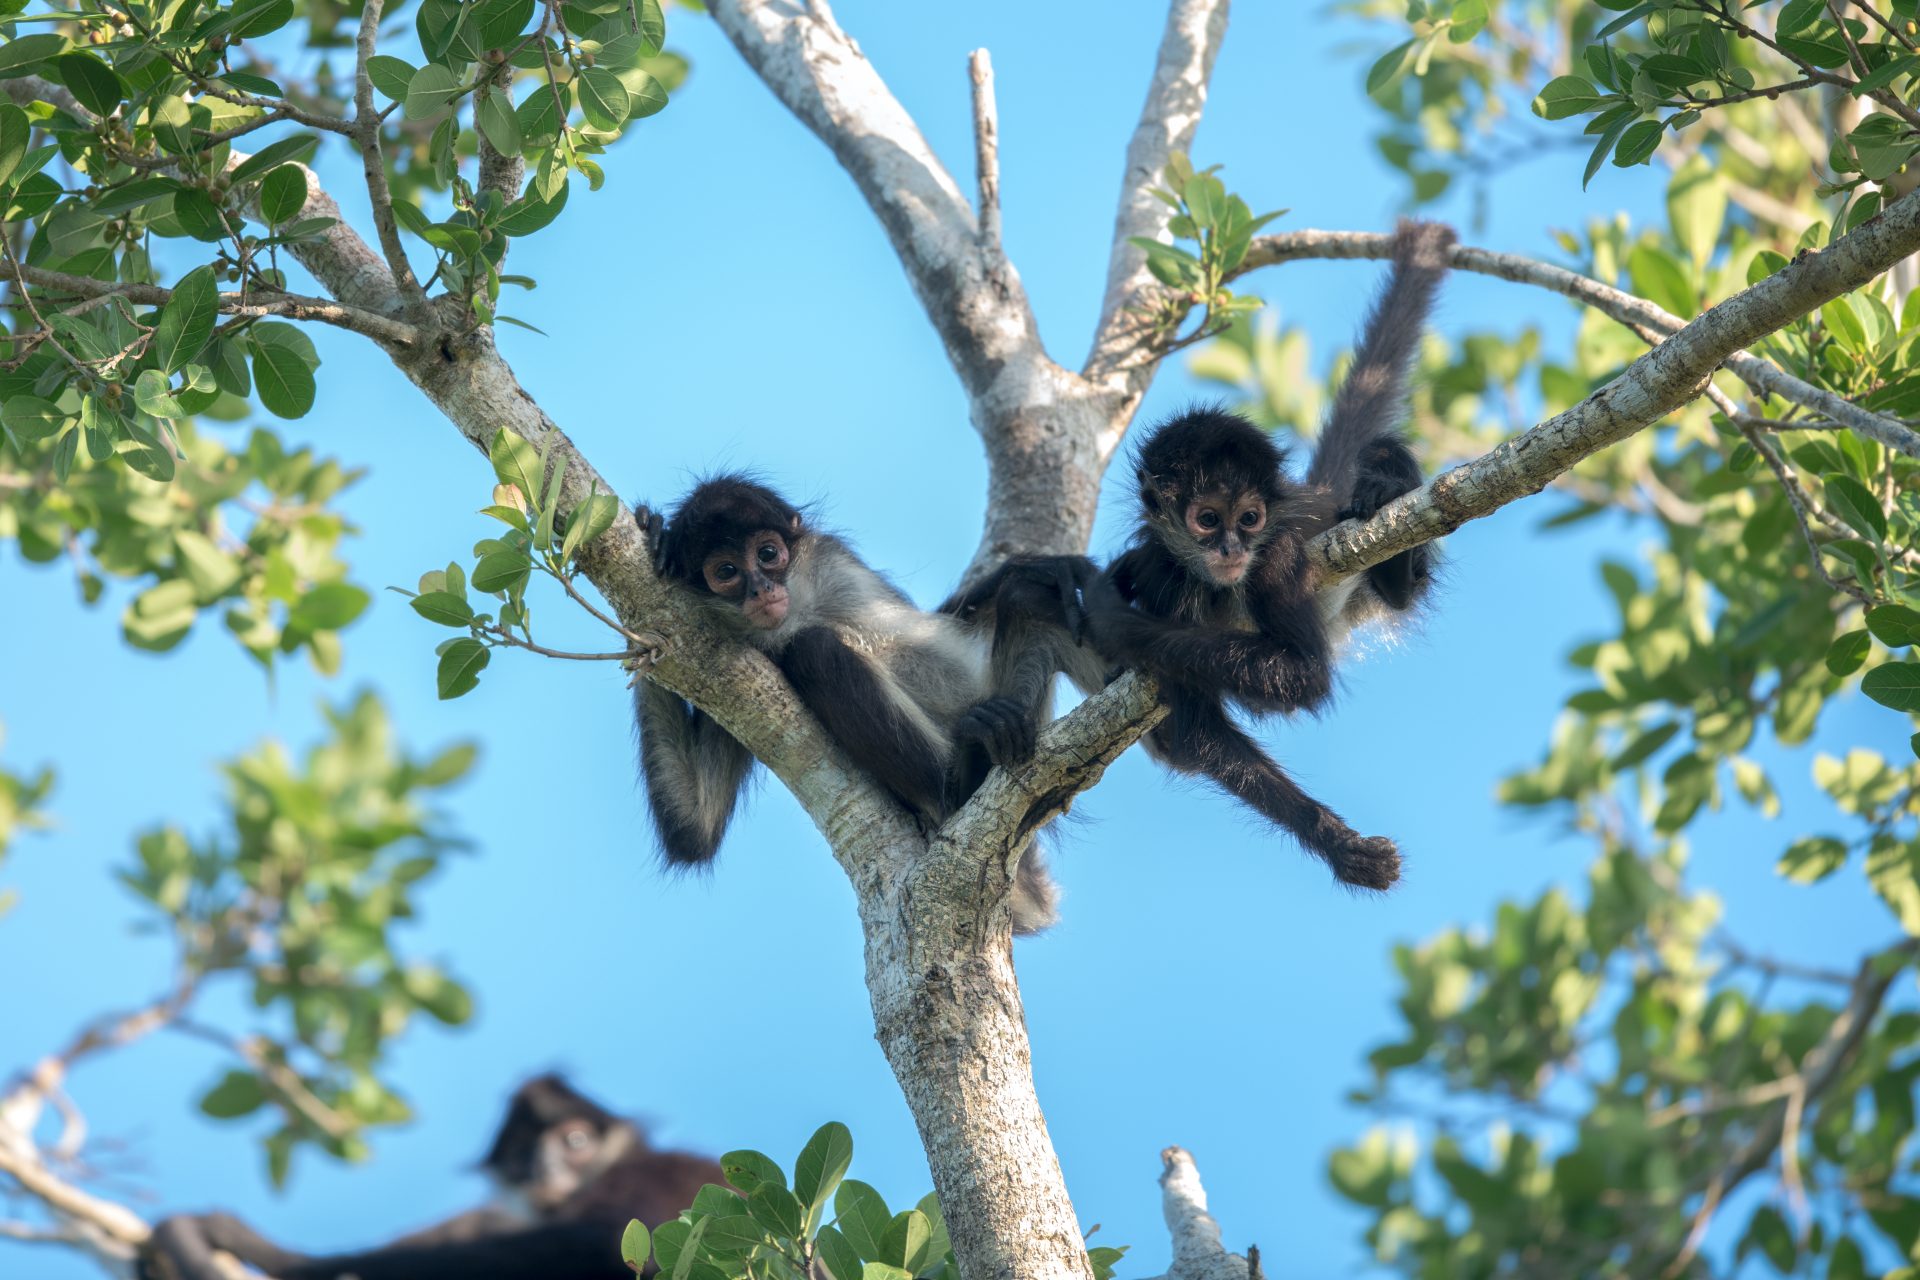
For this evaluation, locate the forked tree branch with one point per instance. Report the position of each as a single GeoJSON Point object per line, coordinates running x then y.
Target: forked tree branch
{"type": "Point", "coordinates": [1198, 1253]}
{"type": "Point", "coordinates": [1175, 100]}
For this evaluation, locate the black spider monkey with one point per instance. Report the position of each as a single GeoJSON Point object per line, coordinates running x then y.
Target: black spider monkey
{"type": "Point", "coordinates": [571, 1176]}
{"type": "Point", "coordinates": [1216, 598]}
{"type": "Point", "coordinates": [925, 703]}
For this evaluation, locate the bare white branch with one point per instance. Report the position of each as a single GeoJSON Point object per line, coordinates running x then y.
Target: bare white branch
{"type": "Point", "coordinates": [986, 147]}
{"type": "Point", "coordinates": [1198, 1253]}
{"type": "Point", "coordinates": [976, 305]}
{"type": "Point", "coordinates": [1175, 100]}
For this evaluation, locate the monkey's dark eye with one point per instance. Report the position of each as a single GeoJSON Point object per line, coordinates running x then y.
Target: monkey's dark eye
{"type": "Point", "coordinates": [578, 1138]}
{"type": "Point", "coordinates": [1208, 520]}
{"type": "Point", "coordinates": [769, 553]}
{"type": "Point", "coordinates": [1248, 519]}
{"type": "Point", "coordinates": [726, 572]}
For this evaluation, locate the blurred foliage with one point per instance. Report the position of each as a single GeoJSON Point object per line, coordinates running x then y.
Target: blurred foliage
{"type": "Point", "coordinates": [820, 1223]}
{"type": "Point", "coordinates": [22, 801]}
{"type": "Point", "coordinates": [248, 534]}
{"type": "Point", "coordinates": [1618, 1086]}
{"type": "Point", "coordinates": [299, 896]}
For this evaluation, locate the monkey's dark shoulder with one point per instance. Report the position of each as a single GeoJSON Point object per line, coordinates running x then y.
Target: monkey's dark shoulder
{"type": "Point", "coordinates": [653, 1186]}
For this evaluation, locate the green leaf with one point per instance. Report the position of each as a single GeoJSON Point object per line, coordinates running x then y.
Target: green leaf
{"type": "Point", "coordinates": [734, 1235]}
{"type": "Point", "coordinates": [461, 663]}
{"type": "Point", "coordinates": [646, 96]}
{"type": "Point", "coordinates": [822, 1164]}
{"type": "Point", "coordinates": [776, 1208]}
{"type": "Point", "coordinates": [186, 322]}
{"type": "Point", "coordinates": [906, 1242]}
{"type": "Point", "coordinates": [501, 571]}
{"type": "Point", "coordinates": [527, 215]}
{"type": "Point", "coordinates": [1563, 96]}
{"type": "Point", "coordinates": [1643, 746]}
{"type": "Point", "coordinates": [144, 452]}
{"type": "Point", "coordinates": [212, 572]}
{"type": "Point", "coordinates": [18, 54]}
{"type": "Point", "coordinates": [239, 1093]}
{"type": "Point", "coordinates": [391, 76]}
{"type": "Point", "coordinates": [603, 99]}
{"type": "Point", "coordinates": [199, 216]}
{"type": "Point", "coordinates": [1894, 626]}
{"type": "Point", "coordinates": [1847, 652]}
{"type": "Point", "coordinates": [98, 86]}
{"type": "Point", "coordinates": [153, 393]}
{"type": "Point", "coordinates": [653, 30]}
{"type": "Point", "coordinates": [1697, 209]}
{"type": "Point", "coordinates": [588, 521]}
{"type": "Point", "coordinates": [283, 194]}
{"type": "Point", "coordinates": [1844, 326]}
{"type": "Point", "coordinates": [1895, 685]}
{"type": "Point", "coordinates": [843, 1262]}
{"type": "Point", "coordinates": [429, 91]}
{"type": "Point", "coordinates": [329, 607]}
{"type": "Point", "coordinates": [1798, 15]}
{"type": "Point", "coordinates": [862, 1217]}
{"type": "Point", "coordinates": [498, 123]}
{"type": "Point", "coordinates": [746, 1170]}
{"type": "Point", "coordinates": [443, 607]}
{"type": "Point", "coordinates": [1658, 278]}
{"type": "Point", "coordinates": [1637, 144]}
{"type": "Point", "coordinates": [635, 1246]}
{"type": "Point", "coordinates": [15, 136]}
{"type": "Point", "coordinates": [1855, 503]}
{"type": "Point", "coordinates": [1812, 859]}
{"type": "Point", "coordinates": [1386, 69]}
{"type": "Point", "coordinates": [293, 150]}
{"type": "Point", "coordinates": [31, 418]}
{"type": "Point", "coordinates": [283, 380]}
{"type": "Point", "coordinates": [516, 462]}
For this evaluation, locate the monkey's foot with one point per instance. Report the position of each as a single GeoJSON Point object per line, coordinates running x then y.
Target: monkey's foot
{"type": "Point", "coordinates": [648, 648]}
{"type": "Point", "coordinates": [1366, 862]}
{"type": "Point", "coordinates": [1002, 727]}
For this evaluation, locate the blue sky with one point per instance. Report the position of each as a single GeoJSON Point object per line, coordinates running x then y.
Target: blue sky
{"type": "Point", "coordinates": [728, 300]}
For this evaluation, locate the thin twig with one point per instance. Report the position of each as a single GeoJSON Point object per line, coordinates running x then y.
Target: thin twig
{"type": "Point", "coordinates": [366, 134]}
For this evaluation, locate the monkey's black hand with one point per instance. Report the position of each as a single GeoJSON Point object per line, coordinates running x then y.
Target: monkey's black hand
{"type": "Point", "coordinates": [1366, 862]}
{"type": "Point", "coordinates": [654, 525]}
{"type": "Point", "coordinates": [1001, 727]}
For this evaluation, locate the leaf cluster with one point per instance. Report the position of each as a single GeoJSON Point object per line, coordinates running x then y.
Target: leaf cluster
{"type": "Point", "coordinates": [819, 1224]}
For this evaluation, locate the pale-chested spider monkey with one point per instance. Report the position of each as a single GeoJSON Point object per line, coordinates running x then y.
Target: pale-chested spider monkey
{"type": "Point", "coordinates": [570, 1176]}
{"type": "Point", "coordinates": [916, 700]}
{"type": "Point", "coordinates": [1216, 598]}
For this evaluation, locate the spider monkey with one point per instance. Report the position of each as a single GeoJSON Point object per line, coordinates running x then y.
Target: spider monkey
{"type": "Point", "coordinates": [925, 703]}
{"type": "Point", "coordinates": [570, 1175]}
{"type": "Point", "coordinates": [1216, 598]}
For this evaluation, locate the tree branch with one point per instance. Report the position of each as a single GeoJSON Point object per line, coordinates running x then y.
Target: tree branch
{"type": "Point", "coordinates": [1175, 100]}
{"type": "Point", "coordinates": [251, 303]}
{"type": "Point", "coordinates": [1762, 375]}
{"type": "Point", "coordinates": [366, 136]}
{"type": "Point", "coordinates": [812, 66]}
{"type": "Point", "coordinates": [1198, 1253]}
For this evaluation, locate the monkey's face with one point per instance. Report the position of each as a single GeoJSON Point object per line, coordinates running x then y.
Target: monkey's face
{"type": "Point", "coordinates": [752, 575]}
{"type": "Point", "coordinates": [564, 1160]}
{"type": "Point", "coordinates": [1215, 532]}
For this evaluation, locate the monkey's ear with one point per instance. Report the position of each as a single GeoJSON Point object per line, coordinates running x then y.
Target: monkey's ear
{"type": "Point", "coordinates": [1149, 497]}
{"type": "Point", "coordinates": [794, 525]}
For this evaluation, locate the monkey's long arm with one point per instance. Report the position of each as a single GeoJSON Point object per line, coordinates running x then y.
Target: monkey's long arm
{"type": "Point", "coordinates": [695, 772]}
{"type": "Point", "coordinates": [1199, 737]}
{"type": "Point", "coordinates": [871, 718]}
{"type": "Point", "coordinates": [1034, 606]}
{"type": "Point", "coordinates": [1283, 665]}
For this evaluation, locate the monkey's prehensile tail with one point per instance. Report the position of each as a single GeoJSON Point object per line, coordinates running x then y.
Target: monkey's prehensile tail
{"type": "Point", "coordinates": [1361, 456]}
